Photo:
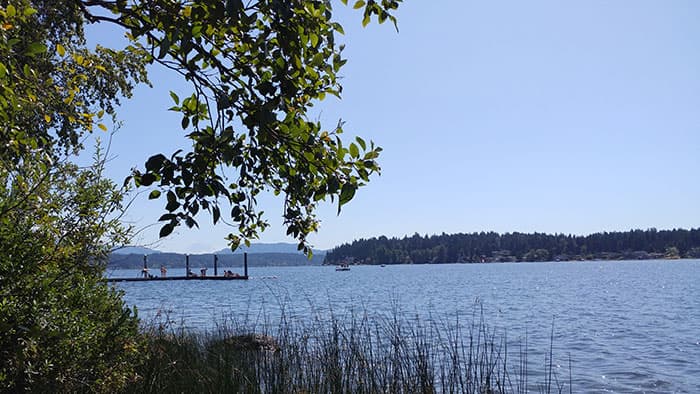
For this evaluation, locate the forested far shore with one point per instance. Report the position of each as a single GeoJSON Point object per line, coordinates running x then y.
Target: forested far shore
{"type": "Point", "coordinates": [517, 247]}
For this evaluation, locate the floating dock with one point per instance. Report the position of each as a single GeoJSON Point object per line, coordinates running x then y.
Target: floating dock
{"type": "Point", "coordinates": [146, 277]}
{"type": "Point", "coordinates": [158, 278]}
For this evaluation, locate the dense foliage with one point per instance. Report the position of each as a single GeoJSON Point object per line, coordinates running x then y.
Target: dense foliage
{"type": "Point", "coordinates": [256, 69]}
{"type": "Point", "coordinates": [491, 246]}
{"type": "Point", "coordinates": [62, 329]}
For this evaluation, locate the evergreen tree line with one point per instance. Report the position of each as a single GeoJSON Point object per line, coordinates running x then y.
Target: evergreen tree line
{"type": "Point", "coordinates": [494, 247]}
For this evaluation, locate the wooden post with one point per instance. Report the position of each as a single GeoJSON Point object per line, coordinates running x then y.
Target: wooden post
{"type": "Point", "coordinates": [187, 265]}
{"type": "Point", "coordinates": [245, 264]}
{"type": "Point", "coordinates": [216, 259]}
{"type": "Point", "coordinates": [145, 266]}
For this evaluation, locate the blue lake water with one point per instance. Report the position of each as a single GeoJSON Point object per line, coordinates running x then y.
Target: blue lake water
{"type": "Point", "coordinates": [630, 326]}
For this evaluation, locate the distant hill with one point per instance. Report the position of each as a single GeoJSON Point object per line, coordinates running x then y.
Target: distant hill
{"type": "Point", "coordinates": [279, 247]}
{"type": "Point", "coordinates": [135, 250]}
{"type": "Point", "coordinates": [272, 254]}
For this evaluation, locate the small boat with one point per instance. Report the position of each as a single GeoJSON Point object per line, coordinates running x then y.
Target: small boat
{"type": "Point", "coordinates": [383, 265]}
{"type": "Point", "coordinates": [342, 267]}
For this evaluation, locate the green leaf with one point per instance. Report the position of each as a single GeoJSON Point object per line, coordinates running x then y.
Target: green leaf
{"type": "Point", "coordinates": [155, 162]}
{"type": "Point", "coordinates": [35, 48]}
{"type": "Point", "coordinates": [346, 194]}
{"type": "Point", "coordinates": [190, 222]}
{"type": "Point", "coordinates": [167, 229]}
{"type": "Point", "coordinates": [172, 206]}
{"type": "Point", "coordinates": [236, 213]}
{"type": "Point", "coordinates": [164, 47]}
{"type": "Point", "coordinates": [216, 213]}
{"type": "Point", "coordinates": [354, 152]}
{"type": "Point", "coordinates": [10, 11]}
{"type": "Point", "coordinates": [361, 142]}
{"type": "Point", "coordinates": [147, 179]}
{"type": "Point", "coordinates": [60, 50]}
{"type": "Point", "coordinates": [175, 98]}
{"type": "Point", "coordinates": [332, 185]}
{"type": "Point", "coordinates": [154, 194]}
{"type": "Point", "coordinates": [232, 7]}
{"type": "Point", "coordinates": [167, 217]}
{"type": "Point", "coordinates": [359, 4]}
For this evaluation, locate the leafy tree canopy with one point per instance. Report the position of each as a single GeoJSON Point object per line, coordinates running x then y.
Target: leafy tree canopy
{"type": "Point", "coordinates": [256, 69]}
{"type": "Point", "coordinates": [61, 328]}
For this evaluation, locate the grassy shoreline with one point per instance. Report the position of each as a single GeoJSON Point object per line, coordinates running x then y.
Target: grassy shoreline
{"type": "Point", "coordinates": [360, 354]}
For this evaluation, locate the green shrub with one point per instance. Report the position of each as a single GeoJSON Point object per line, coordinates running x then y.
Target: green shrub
{"type": "Point", "coordinates": [62, 329]}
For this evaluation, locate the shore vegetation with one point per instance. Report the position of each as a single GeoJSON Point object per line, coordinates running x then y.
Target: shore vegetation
{"type": "Point", "coordinates": [355, 354]}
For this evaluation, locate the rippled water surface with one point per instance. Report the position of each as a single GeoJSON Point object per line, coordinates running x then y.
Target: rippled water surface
{"type": "Point", "coordinates": [626, 326]}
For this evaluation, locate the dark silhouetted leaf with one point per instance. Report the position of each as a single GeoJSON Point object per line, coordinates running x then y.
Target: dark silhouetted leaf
{"type": "Point", "coordinates": [166, 230]}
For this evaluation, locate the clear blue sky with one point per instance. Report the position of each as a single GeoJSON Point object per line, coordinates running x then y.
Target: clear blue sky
{"type": "Point", "coordinates": [549, 116]}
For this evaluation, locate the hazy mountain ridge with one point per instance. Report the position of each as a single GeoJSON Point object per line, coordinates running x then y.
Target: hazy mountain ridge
{"type": "Point", "coordinates": [277, 247]}
{"type": "Point", "coordinates": [267, 248]}
{"type": "Point", "coordinates": [178, 260]}
{"type": "Point", "coordinates": [131, 249]}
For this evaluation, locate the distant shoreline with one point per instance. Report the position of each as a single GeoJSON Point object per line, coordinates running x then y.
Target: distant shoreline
{"type": "Point", "coordinates": [484, 247]}
{"type": "Point", "coordinates": [524, 262]}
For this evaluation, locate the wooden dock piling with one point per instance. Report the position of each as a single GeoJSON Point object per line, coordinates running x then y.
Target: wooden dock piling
{"type": "Point", "coordinates": [145, 266]}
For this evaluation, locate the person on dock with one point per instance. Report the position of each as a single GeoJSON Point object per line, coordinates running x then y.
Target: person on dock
{"type": "Point", "coordinates": [163, 271]}
{"type": "Point", "coordinates": [203, 272]}
{"type": "Point", "coordinates": [144, 272]}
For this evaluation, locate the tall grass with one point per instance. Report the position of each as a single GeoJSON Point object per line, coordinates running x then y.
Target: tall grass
{"type": "Point", "coordinates": [355, 354]}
